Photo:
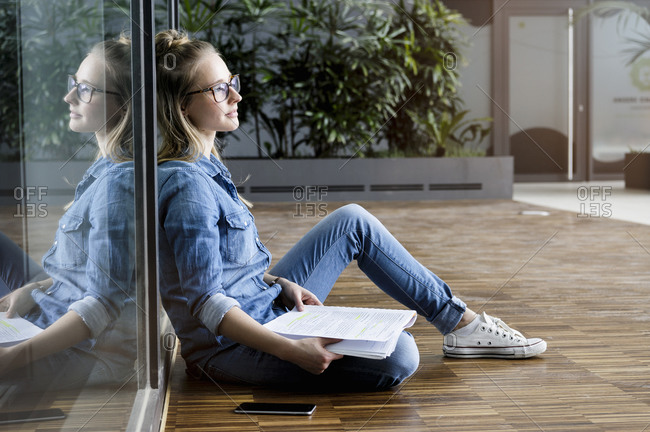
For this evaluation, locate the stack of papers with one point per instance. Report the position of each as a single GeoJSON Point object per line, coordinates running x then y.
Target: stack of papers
{"type": "Point", "coordinates": [368, 333]}
{"type": "Point", "coordinates": [15, 330]}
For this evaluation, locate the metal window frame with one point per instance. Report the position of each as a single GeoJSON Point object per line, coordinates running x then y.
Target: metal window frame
{"type": "Point", "coordinates": [146, 196]}
{"type": "Point", "coordinates": [154, 368]}
{"type": "Point", "coordinates": [172, 14]}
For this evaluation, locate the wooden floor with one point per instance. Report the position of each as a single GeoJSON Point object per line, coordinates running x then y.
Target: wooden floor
{"type": "Point", "coordinates": [583, 284]}
{"type": "Point", "coordinates": [96, 409]}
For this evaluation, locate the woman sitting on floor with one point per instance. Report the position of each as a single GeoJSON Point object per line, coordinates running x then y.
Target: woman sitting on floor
{"type": "Point", "coordinates": [215, 282]}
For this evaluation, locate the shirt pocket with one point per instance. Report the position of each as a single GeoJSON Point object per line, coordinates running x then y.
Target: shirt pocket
{"type": "Point", "coordinates": [70, 245]}
{"type": "Point", "coordinates": [241, 237]}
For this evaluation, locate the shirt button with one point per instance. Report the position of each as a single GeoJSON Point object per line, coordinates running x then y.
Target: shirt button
{"type": "Point", "coordinates": [63, 226]}
{"type": "Point", "coordinates": [55, 242]}
{"type": "Point", "coordinates": [246, 224]}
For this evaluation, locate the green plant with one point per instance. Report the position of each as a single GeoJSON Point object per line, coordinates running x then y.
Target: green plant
{"type": "Point", "coordinates": [9, 91]}
{"type": "Point", "coordinates": [334, 78]}
{"type": "Point", "coordinates": [53, 38]}
{"type": "Point", "coordinates": [337, 83]}
{"type": "Point", "coordinates": [242, 32]}
{"type": "Point", "coordinates": [252, 54]}
{"type": "Point", "coordinates": [632, 150]}
{"type": "Point", "coordinates": [196, 15]}
{"type": "Point", "coordinates": [624, 10]}
{"type": "Point", "coordinates": [453, 135]}
{"type": "Point", "coordinates": [431, 119]}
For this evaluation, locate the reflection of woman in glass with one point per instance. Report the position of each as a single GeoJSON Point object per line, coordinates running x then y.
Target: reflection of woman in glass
{"type": "Point", "coordinates": [214, 280]}
{"type": "Point", "coordinates": [83, 296]}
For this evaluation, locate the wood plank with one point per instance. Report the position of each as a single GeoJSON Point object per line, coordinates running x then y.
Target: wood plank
{"type": "Point", "coordinates": [583, 284]}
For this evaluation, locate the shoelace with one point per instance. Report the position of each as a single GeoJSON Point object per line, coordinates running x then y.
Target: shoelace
{"type": "Point", "coordinates": [504, 327]}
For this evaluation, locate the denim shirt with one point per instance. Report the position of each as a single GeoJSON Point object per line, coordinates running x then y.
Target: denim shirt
{"type": "Point", "coordinates": [211, 256]}
{"type": "Point", "coordinates": [92, 263]}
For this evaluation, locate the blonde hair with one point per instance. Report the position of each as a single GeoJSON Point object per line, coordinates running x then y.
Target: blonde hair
{"type": "Point", "coordinates": [177, 60]}
{"type": "Point", "coordinates": [116, 56]}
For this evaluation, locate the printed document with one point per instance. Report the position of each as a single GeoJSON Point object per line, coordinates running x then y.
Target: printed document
{"type": "Point", "coordinates": [15, 330]}
{"type": "Point", "coordinates": [370, 333]}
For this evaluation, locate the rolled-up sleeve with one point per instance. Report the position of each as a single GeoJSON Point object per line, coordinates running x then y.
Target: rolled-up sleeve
{"type": "Point", "coordinates": [214, 309]}
{"type": "Point", "coordinates": [93, 313]}
{"type": "Point", "coordinates": [190, 225]}
{"type": "Point", "coordinates": [110, 267]}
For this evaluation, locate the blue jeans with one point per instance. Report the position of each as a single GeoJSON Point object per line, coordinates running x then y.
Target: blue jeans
{"type": "Point", "coordinates": [315, 262]}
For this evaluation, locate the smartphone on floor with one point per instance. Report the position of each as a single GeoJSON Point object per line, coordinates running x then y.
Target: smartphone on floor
{"type": "Point", "coordinates": [276, 408]}
{"type": "Point", "coordinates": [30, 416]}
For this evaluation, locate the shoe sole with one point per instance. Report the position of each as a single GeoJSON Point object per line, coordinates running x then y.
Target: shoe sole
{"type": "Point", "coordinates": [520, 352]}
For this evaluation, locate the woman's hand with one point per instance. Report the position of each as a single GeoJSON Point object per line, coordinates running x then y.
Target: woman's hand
{"type": "Point", "coordinates": [20, 301]}
{"type": "Point", "coordinates": [294, 295]}
{"type": "Point", "coordinates": [311, 354]}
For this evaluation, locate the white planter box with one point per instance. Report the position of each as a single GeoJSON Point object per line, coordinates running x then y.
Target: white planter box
{"type": "Point", "coordinates": [373, 179]}
{"type": "Point", "coordinates": [303, 179]}
{"type": "Point", "coordinates": [50, 182]}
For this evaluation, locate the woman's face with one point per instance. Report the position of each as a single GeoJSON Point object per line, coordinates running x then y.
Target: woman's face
{"type": "Point", "coordinates": [102, 110]}
{"type": "Point", "coordinates": [203, 112]}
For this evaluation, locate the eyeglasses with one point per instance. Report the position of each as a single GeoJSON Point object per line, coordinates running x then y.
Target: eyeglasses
{"type": "Point", "coordinates": [85, 91]}
{"type": "Point", "coordinates": [221, 91]}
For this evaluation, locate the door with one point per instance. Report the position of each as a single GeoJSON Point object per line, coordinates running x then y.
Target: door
{"type": "Point", "coordinates": [541, 89]}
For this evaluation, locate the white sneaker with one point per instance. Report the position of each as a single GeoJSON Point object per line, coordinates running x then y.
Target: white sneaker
{"type": "Point", "coordinates": [491, 338]}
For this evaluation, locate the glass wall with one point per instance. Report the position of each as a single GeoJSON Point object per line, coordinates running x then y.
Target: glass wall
{"type": "Point", "coordinates": [620, 92]}
{"type": "Point", "coordinates": [538, 89]}
{"type": "Point", "coordinates": [80, 334]}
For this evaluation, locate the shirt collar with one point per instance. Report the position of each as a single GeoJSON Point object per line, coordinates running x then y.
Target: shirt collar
{"type": "Point", "coordinates": [98, 167]}
{"type": "Point", "coordinates": [92, 173]}
{"type": "Point", "coordinates": [213, 166]}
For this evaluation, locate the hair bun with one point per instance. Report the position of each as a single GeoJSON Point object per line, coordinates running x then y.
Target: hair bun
{"type": "Point", "coordinates": [169, 41]}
